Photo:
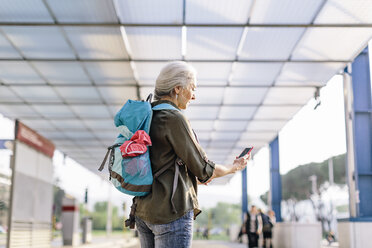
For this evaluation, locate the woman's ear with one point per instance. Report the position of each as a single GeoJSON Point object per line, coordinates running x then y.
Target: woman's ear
{"type": "Point", "coordinates": [177, 89]}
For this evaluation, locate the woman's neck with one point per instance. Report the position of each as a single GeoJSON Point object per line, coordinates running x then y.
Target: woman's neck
{"type": "Point", "coordinates": [169, 98]}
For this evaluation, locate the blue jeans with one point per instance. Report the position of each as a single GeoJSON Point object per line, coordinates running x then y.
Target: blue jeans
{"type": "Point", "coordinates": [176, 234]}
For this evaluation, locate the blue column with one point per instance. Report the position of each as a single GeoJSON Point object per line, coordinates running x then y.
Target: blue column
{"type": "Point", "coordinates": [244, 192]}
{"type": "Point", "coordinates": [275, 180]}
{"type": "Point", "coordinates": [362, 101]}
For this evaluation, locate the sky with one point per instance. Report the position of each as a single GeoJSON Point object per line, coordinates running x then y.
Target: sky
{"type": "Point", "coordinates": [310, 136]}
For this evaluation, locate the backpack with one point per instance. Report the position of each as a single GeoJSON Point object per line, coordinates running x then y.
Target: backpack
{"type": "Point", "coordinates": [266, 223]}
{"type": "Point", "coordinates": [132, 175]}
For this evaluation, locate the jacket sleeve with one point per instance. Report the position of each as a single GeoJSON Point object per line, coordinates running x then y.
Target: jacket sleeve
{"type": "Point", "coordinates": [186, 147]}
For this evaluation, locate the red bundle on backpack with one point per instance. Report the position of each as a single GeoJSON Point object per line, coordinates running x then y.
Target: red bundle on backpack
{"type": "Point", "coordinates": [137, 145]}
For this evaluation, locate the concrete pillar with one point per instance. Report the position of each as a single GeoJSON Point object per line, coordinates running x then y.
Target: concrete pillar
{"type": "Point", "coordinates": [70, 221]}
{"type": "Point", "coordinates": [355, 231]}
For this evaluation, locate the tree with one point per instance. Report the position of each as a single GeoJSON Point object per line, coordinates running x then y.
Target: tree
{"type": "Point", "coordinates": [223, 215]}
{"type": "Point", "coordinates": [99, 216]}
{"type": "Point", "coordinates": [296, 185]}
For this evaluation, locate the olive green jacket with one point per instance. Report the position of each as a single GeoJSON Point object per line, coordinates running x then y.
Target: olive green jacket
{"type": "Point", "coordinates": [172, 138]}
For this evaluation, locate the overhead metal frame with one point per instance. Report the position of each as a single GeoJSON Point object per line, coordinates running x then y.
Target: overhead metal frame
{"type": "Point", "coordinates": [184, 24]}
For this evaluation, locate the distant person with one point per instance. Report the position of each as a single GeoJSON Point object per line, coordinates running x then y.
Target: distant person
{"type": "Point", "coordinates": [253, 226]}
{"type": "Point", "coordinates": [330, 238]}
{"type": "Point", "coordinates": [242, 230]}
{"type": "Point", "coordinates": [164, 218]}
{"type": "Point", "coordinates": [206, 233]}
{"type": "Point", "coordinates": [268, 222]}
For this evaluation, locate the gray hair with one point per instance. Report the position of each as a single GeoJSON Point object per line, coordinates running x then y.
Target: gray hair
{"type": "Point", "coordinates": [176, 73]}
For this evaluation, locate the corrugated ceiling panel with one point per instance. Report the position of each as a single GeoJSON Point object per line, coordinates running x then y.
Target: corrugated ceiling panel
{"type": "Point", "coordinates": [6, 49]}
{"type": "Point", "coordinates": [230, 125]}
{"type": "Point", "coordinates": [112, 134]}
{"type": "Point", "coordinates": [285, 11]}
{"type": "Point", "coordinates": [212, 43]}
{"type": "Point", "coordinates": [6, 95]}
{"type": "Point", "coordinates": [53, 134]}
{"type": "Point", "coordinates": [260, 125]}
{"type": "Point", "coordinates": [345, 11]}
{"type": "Point", "coordinates": [91, 111]}
{"type": "Point", "coordinates": [149, 11]}
{"type": "Point", "coordinates": [14, 72]}
{"type": "Point", "coordinates": [203, 135]}
{"type": "Point", "coordinates": [240, 95]}
{"type": "Point", "coordinates": [276, 112]}
{"type": "Point", "coordinates": [119, 73]}
{"type": "Point", "coordinates": [240, 113]}
{"type": "Point", "coordinates": [218, 11]}
{"type": "Point", "coordinates": [270, 43]}
{"type": "Point", "coordinates": [18, 111]}
{"type": "Point", "coordinates": [145, 91]}
{"type": "Point", "coordinates": [155, 42]}
{"type": "Point", "coordinates": [221, 144]}
{"type": "Point", "coordinates": [309, 72]}
{"type": "Point", "coordinates": [212, 73]}
{"type": "Point", "coordinates": [79, 94]}
{"type": "Point", "coordinates": [24, 11]}
{"type": "Point", "coordinates": [93, 142]}
{"type": "Point", "coordinates": [206, 112]}
{"type": "Point", "coordinates": [300, 83]}
{"type": "Point", "coordinates": [265, 136]}
{"type": "Point", "coordinates": [62, 72]}
{"type": "Point", "coordinates": [37, 93]}
{"type": "Point", "coordinates": [100, 124]}
{"type": "Point", "coordinates": [202, 125]}
{"type": "Point", "coordinates": [69, 124]}
{"type": "Point", "coordinates": [78, 134]}
{"type": "Point", "coordinates": [225, 136]}
{"type": "Point", "coordinates": [255, 143]}
{"type": "Point", "coordinates": [289, 95]}
{"type": "Point", "coordinates": [64, 143]}
{"type": "Point", "coordinates": [118, 94]}
{"type": "Point", "coordinates": [39, 124]}
{"type": "Point", "coordinates": [39, 42]}
{"type": "Point", "coordinates": [208, 95]}
{"type": "Point", "coordinates": [54, 111]}
{"type": "Point", "coordinates": [331, 43]}
{"type": "Point", "coordinates": [83, 10]}
{"type": "Point", "coordinates": [255, 73]}
{"type": "Point", "coordinates": [97, 42]}
{"type": "Point", "coordinates": [148, 71]}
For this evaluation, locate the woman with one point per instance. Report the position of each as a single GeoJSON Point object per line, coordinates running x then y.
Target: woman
{"type": "Point", "coordinates": [164, 218]}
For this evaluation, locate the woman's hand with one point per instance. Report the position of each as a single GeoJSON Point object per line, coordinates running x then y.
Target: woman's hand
{"type": "Point", "coordinates": [240, 163]}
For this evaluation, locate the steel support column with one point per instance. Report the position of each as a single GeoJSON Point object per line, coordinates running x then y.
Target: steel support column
{"type": "Point", "coordinates": [362, 123]}
{"type": "Point", "coordinates": [244, 192]}
{"type": "Point", "coordinates": [275, 180]}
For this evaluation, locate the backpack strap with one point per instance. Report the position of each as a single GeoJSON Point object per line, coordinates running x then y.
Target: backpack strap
{"type": "Point", "coordinates": [162, 106]}
{"type": "Point", "coordinates": [110, 150]}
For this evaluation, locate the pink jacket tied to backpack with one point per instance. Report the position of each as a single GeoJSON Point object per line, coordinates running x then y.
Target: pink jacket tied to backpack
{"type": "Point", "coordinates": [137, 145]}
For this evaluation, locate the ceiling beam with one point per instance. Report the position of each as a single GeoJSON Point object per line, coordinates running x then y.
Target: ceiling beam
{"type": "Point", "coordinates": [165, 60]}
{"type": "Point", "coordinates": [266, 25]}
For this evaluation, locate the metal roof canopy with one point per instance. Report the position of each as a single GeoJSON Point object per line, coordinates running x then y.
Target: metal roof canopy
{"type": "Point", "coordinates": [67, 66]}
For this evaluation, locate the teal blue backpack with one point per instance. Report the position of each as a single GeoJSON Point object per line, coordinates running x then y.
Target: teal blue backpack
{"type": "Point", "coordinates": [132, 175]}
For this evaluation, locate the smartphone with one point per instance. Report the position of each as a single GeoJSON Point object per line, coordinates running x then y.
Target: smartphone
{"type": "Point", "coordinates": [246, 151]}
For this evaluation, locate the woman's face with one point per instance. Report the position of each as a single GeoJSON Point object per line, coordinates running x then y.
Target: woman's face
{"type": "Point", "coordinates": [186, 95]}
